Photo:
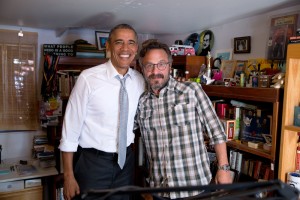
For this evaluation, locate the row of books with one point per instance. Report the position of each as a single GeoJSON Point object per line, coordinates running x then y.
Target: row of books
{"type": "Point", "coordinates": [89, 51]}
{"type": "Point", "coordinates": [43, 151]}
{"type": "Point", "coordinates": [66, 81]}
{"type": "Point", "coordinates": [244, 121]}
{"type": "Point", "coordinates": [254, 168]}
{"type": "Point", "coordinates": [294, 39]}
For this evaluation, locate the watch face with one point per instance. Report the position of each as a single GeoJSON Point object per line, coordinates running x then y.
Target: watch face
{"type": "Point", "coordinates": [224, 167]}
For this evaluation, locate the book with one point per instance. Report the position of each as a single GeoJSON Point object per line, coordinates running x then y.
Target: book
{"type": "Point", "coordinates": [232, 158]}
{"type": "Point", "coordinates": [245, 168]}
{"type": "Point", "coordinates": [82, 54]}
{"type": "Point", "coordinates": [297, 116]}
{"type": "Point", "coordinates": [239, 158]}
{"type": "Point", "coordinates": [257, 168]}
{"type": "Point", "coordinates": [25, 169]}
{"type": "Point", "coordinates": [237, 117]}
{"type": "Point", "coordinates": [251, 166]}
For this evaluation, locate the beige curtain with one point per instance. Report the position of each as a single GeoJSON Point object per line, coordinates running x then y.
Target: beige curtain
{"type": "Point", "coordinates": [18, 68]}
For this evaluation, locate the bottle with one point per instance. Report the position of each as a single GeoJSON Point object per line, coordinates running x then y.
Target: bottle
{"type": "Point", "coordinates": [242, 79]}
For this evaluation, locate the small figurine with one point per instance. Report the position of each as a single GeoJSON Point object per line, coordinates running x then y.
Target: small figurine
{"type": "Point", "coordinates": [206, 78]}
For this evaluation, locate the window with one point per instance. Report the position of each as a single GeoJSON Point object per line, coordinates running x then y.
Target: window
{"type": "Point", "coordinates": [18, 98]}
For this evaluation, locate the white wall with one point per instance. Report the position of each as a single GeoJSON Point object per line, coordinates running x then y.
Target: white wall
{"type": "Point", "coordinates": [18, 144]}
{"type": "Point", "coordinates": [257, 27]}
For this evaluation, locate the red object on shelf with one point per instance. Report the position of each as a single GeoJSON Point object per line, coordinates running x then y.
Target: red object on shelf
{"type": "Point", "coordinates": [298, 154]}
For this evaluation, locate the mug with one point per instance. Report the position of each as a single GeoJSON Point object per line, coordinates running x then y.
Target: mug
{"type": "Point", "coordinates": [293, 179]}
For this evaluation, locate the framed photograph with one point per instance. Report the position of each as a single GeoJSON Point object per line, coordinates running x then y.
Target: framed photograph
{"type": "Point", "coordinates": [240, 67]}
{"type": "Point", "coordinates": [224, 54]}
{"type": "Point", "coordinates": [228, 68]}
{"type": "Point", "coordinates": [101, 38]}
{"type": "Point", "coordinates": [242, 44]}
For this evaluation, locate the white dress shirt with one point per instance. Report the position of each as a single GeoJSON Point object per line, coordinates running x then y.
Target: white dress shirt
{"type": "Point", "coordinates": [92, 113]}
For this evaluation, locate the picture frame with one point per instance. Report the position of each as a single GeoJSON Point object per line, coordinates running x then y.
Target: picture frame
{"type": "Point", "coordinates": [101, 38]}
{"type": "Point", "coordinates": [228, 68]}
{"type": "Point", "coordinates": [242, 44]}
{"type": "Point", "coordinates": [224, 54]}
{"type": "Point", "coordinates": [240, 67]}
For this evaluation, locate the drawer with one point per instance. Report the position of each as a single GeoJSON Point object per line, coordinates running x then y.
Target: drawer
{"type": "Point", "coordinates": [11, 186]}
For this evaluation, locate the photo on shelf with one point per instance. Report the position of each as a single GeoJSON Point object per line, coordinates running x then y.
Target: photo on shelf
{"type": "Point", "coordinates": [101, 38]}
{"type": "Point", "coordinates": [227, 68]}
{"type": "Point", "coordinates": [224, 54]}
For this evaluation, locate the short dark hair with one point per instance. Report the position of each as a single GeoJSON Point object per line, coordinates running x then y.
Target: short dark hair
{"type": "Point", "coordinates": [121, 26]}
{"type": "Point", "coordinates": [153, 44]}
{"type": "Point", "coordinates": [207, 33]}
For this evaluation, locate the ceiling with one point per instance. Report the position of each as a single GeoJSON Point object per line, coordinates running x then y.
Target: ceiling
{"type": "Point", "coordinates": [146, 16]}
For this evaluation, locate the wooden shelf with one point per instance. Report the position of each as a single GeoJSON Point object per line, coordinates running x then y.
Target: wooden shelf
{"type": "Point", "coordinates": [244, 147]}
{"type": "Point", "coordinates": [254, 94]}
{"type": "Point", "coordinates": [289, 133]}
{"type": "Point", "coordinates": [292, 128]}
{"type": "Point", "coordinates": [270, 96]}
{"type": "Point", "coordinates": [79, 63]}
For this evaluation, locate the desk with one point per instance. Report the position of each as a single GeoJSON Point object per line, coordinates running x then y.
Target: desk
{"type": "Point", "coordinates": [13, 178]}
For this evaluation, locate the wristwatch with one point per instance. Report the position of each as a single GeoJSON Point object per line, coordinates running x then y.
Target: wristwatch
{"type": "Point", "coordinates": [225, 167]}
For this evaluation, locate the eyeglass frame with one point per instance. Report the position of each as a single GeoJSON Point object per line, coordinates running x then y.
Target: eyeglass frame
{"type": "Point", "coordinates": [150, 66]}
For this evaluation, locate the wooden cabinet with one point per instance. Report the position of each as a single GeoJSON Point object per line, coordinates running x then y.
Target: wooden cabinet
{"type": "Point", "coordinates": [190, 65]}
{"type": "Point", "coordinates": [34, 193]}
{"type": "Point", "coordinates": [266, 96]}
{"type": "Point", "coordinates": [289, 133]}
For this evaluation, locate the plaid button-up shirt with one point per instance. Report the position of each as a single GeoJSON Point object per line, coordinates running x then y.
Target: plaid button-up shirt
{"type": "Point", "coordinates": [172, 127]}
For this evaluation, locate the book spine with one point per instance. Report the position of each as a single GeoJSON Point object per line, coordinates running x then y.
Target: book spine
{"type": "Point", "coordinates": [233, 155]}
{"type": "Point", "coordinates": [239, 158]}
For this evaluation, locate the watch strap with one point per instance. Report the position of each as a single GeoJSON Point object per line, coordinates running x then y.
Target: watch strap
{"type": "Point", "coordinates": [225, 167]}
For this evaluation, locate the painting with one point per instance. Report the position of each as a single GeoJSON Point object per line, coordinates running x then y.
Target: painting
{"type": "Point", "coordinates": [242, 44]}
{"type": "Point", "coordinates": [281, 29]}
{"type": "Point", "coordinates": [206, 43]}
{"type": "Point", "coordinates": [225, 54]}
{"type": "Point", "coordinates": [101, 38]}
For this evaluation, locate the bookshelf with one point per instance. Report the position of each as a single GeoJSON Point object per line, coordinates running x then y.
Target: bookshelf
{"type": "Point", "coordinates": [189, 65]}
{"type": "Point", "coordinates": [269, 97]}
{"type": "Point", "coordinates": [289, 133]}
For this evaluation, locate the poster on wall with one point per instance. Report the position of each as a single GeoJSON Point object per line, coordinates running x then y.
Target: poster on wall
{"type": "Point", "coordinates": [282, 28]}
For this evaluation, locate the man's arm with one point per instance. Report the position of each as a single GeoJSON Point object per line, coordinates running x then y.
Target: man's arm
{"type": "Point", "coordinates": [222, 176]}
{"type": "Point", "coordinates": [71, 187]}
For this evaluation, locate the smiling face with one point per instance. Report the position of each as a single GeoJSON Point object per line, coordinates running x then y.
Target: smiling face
{"type": "Point", "coordinates": [206, 40]}
{"type": "Point", "coordinates": [156, 78]}
{"type": "Point", "coordinates": [123, 47]}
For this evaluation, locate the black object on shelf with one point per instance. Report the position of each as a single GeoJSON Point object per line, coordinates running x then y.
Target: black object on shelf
{"type": "Point", "coordinates": [271, 190]}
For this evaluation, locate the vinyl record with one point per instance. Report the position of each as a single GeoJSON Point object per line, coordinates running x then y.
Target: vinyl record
{"type": "Point", "coordinates": [193, 40]}
{"type": "Point", "coordinates": [206, 43]}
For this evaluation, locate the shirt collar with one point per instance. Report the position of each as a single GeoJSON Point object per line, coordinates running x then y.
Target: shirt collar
{"type": "Point", "coordinates": [112, 72]}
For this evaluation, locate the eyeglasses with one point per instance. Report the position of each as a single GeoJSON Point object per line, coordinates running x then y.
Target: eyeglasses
{"type": "Point", "coordinates": [161, 66]}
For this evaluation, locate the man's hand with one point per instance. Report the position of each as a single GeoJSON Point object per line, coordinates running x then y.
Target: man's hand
{"type": "Point", "coordinates": [223, 177]}
{"type": "Point", "coordinates": [71, 188]}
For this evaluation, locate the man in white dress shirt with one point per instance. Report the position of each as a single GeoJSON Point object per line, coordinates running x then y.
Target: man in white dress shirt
{"type": "Point", "coordinates": [89, 142]}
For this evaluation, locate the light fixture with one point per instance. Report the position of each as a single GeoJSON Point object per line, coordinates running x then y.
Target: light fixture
{"type": "Point", "coordinates": [20, 34]}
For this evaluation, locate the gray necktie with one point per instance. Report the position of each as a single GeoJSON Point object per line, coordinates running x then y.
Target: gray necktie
{"type": "Point", "coordinates": [123, 119]}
